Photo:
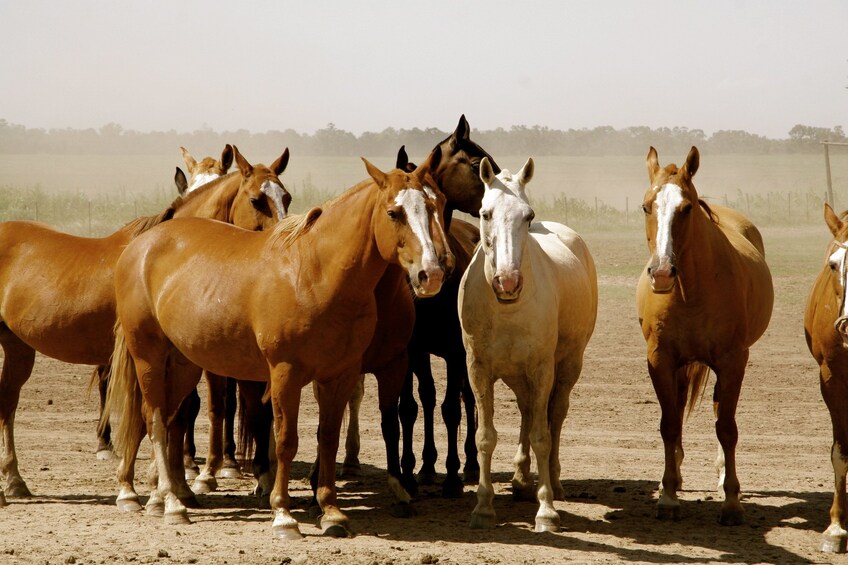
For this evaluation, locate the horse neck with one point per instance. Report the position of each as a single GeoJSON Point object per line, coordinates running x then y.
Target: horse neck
{"type": "Point", "coordinates": [213, 201]}
{"type": "Point", "coordinates": [696, 265]}
{"type": "Point", "coordinates": [342, 243]}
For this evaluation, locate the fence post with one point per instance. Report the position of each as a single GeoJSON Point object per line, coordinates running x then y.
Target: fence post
{"type": "Point", "coordinates": [827, 168]}
{"type": "Point", "coordinates": [597, 218]}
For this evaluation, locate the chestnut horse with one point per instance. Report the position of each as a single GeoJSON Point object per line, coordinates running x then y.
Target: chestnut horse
{"type": "Point", "coordinates": [72, 318]}
{"type": "Point", "coordinates": [528, 304]}
{"type": "Point", "coordinates": [207, 169]}
{"type": "Point", "coordinates": [704, 298]}
{"type": "Point", "coordinates": [826, 330]}
{"type": "Point", "coordinates": [276, 304]}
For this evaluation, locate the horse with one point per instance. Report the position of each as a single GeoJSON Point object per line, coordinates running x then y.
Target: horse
{"type": "Point", "coordinates": [527, 304]}
{"type": "Point", "coordinates": [72, 318]}
{"type": "Point", "coordinates": [201, 172]}
{"type": "Point", "coordinates": [276, 303]}
{"type": "Point", "coordinates": [437, 332]}
{"type": "Point", "coordinates": [208, 168]}
{"type": "Point", "coordinates": [703, 299]}
{"type": "Point", "coordinates": [826, 331]}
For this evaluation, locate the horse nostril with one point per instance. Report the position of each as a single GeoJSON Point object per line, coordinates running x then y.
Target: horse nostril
{"type": "Point", "coordinates": [673, 271]}
{"type": "Point", "coordinates": [650, 270]}
{"type": "Point", "coordinates": [422, 276]}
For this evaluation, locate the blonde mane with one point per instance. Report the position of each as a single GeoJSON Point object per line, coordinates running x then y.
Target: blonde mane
{"type": "Point", "coordinates": [292, 227]}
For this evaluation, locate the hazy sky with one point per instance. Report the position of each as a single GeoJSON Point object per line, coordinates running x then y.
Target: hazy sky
{"type": "Point", "coordinates": [761, 66]}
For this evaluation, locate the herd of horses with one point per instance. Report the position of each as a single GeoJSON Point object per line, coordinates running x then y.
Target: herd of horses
{"type": "Point", "coordinates": [384, 277]}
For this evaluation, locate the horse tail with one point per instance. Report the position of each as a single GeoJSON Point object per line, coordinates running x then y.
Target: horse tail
{"type": "Point", "coordinates": [696, 375]}
{"type": "Point", "coordinates": [123, 396]}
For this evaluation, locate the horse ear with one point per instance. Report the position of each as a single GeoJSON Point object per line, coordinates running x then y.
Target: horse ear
{"type": "Point", "coordinates": [435, 158]}
{"type": "Point", "coordinates": [463, 130]}
{"type": "Point", "coordinates": [402, 158]}
{"type": "Point", "coordinates": [525, 175]}
{"type": "Point", "coordinates": [180, 181]}
{"type": "Point", "coordinates": [189, 160]}
{"type": "Point", "coordinates": [245, 167]}
{"type": "Point", "coordinates": [375, 173]}
{"type": "Point", "coordinates": [227, 157]}
{"type": "Point", "coordinates": [280, 164]}
{"type": "Point", "coordinates": [690, 167]}
{"type": "Point", "coordinates": [653, 164]}
{"type": "Point", "coordinates": [487, 175]}
{"type": "Point", "coordinates": [832, 220]}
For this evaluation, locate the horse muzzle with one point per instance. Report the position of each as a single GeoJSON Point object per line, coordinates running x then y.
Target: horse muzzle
{"type": "Point", "coordinates": [663, 275]}
{"type": "Point", "coordinates": [507, 286]}
{"type": "Point", "coordinates": [428, 282]}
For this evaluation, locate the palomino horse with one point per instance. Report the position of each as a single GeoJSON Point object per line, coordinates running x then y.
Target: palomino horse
{"type": "Point", "coordinates": [827, 337]}
{"type": "Point", "coordinates": [72, 318]}
{"type": "Point", "coordinates": [273, 306]}
{"type": "Point", "coordinates": [528, 304]}
{"type": "Point", "coordinates": [704, 298]}
{"type": "Point", "coordinates": [207, 169]}
{"type": "Point", "coordinates": [201, 172]}
{"type": "Point", "coordinates": [437, 331]}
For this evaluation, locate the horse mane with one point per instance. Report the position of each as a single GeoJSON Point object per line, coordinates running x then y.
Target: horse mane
{"type": "Point", "coordinates": [706, 207]}
{"type": "Point", "coordinates": [290, 228]}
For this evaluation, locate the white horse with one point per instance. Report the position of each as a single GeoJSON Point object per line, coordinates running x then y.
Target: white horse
{"type": "Point", "coordinates": [528, 304]}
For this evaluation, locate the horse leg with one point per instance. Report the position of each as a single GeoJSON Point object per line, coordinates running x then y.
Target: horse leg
{"type": "Point", "coordinates": [255, 421]}
{"type": "Point", "coordinates": [17, 368]}
{"type": "Point", "coordinates": [189, 447]}
{"type": "Point", "coordinates": [127, 499]}
{"type": "Point", "coordinates": [682, 397]}
{"type": "Point", "coordinates": [285, 398]}
{"type": "Point", "coordinates": [568, 371]}
{"type": "Point", "coordinates": [730, 371]}
{"type": "Point", "coordinates": [216, 397]}
{"type": "Point", "coordinates": [229, 466]}
{"type": "Point", "coordinates": [408, 412]}
{"type": "Point", "coordinates": [332, 399]}
{"type": "Point", "coordinates": [833, 390]}
{"type": "Point", "coordinates": [483, 515]}
{"type": "Point", "coordinates": [389, 384]}
{"type": "Point", "coordinates": [471, 469]}
{"type": "Point", "coordinates": [427, 395]}
{"type": "Point", "coordinates": [664, 379]}
{"type": "Point", "coordinates": [523, 487]}
{"type": "Point", "coordinates": [104, 431]}
{"type": "Point", "coordinates": [452, 487]}
{"type": "Point", "coordinates": [351, 466]}
{"type": "Point", "coordinates": [176, 435]}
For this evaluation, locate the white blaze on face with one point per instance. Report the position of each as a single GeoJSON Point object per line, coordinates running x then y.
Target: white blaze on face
{"type": "Point", "coordinates": [413, 204]}
{"type": "Point", "coordinates": [668, 199]}
{"type": "Point", "coordinates": [201, 179]}
{"type": "Point", "coordinates": [431, 194]}
{"type": "Point", "coordinates": [837, 259]}
{"type": "Point", "coordinates": [275, 192]}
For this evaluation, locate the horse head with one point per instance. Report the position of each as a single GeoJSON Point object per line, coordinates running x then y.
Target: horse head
{"type": "Point", "coordinates": [408, 225]}
{"type": "Point", "coordinates": [668, 206]}
{"type": "Point", "coordinates": [458, 171]}
{"type": "Point", "coordinates": [505, 218]}
{"type": "Point", "coordinates": [207, 169]}
{"type": "Point", "coordinates": [837, 263]}
{"type": "Point", "coordinates": [262, 200]}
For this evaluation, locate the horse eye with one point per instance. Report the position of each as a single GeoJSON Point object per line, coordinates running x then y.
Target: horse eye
{"type": "Point", "coordinates": [395, 214]}
{"type": "Point", "coordinates": [486, 215]}
{"type": "Point", "coordinates": [832, 265]}
{"type": "Point", "coordinates": [646, 208]}
{"type": "Point", "coordinates": [686, 208]}
{"type": "Point", "coordinates": [530, 216]}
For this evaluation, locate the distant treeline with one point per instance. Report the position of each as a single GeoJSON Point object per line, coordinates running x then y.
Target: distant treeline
{"type": "Point", "coordinates": [112, 139]}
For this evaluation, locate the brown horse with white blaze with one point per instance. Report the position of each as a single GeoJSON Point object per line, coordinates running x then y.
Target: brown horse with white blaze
{"type": "Point", "coordinates": [826, 330]}
{"type": "Point", "coordinates": [291, 306]}
{"type": "Point", "coordinates": [72, 318]}
{"type": "Point", "coordinates": [705, 297]}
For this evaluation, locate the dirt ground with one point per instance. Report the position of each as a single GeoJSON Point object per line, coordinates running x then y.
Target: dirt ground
{"type": "Point", "coordinates": [612, 461]}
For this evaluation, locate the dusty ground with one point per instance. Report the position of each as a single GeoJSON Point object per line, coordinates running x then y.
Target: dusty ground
{"type": "Point", "coordinates": [612, 461]}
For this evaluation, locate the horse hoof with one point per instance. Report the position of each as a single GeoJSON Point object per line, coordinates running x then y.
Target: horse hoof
{"type": "Point", "coordinates": [128, 505]}
{"type": "Point", "coordinates": [471, 476]}
{"type": "Point", "coordinates": [105, 455]}
{"type": "Point", "coordinates": [204, 486]}
{"type": "Point", "coordinates": [351, 470]}
{"type": "Point", "coordinates": [402, 510]}
{"type": "Point", "coordinates": [156, 510]}
{"type": "Point", "coordinates": [177, 518]}
{"type": "Point", "coordinates": [546, 525]}
{"type": "Point", "coordinates": [286, 533]}
{"type": "Point", "coordinates": [731, 517]}
{"type": "Point", "coordinates": [482, 521]}
{"type": "Point", "coordinates": [18, 489]}
{"type": "Point", "coordinates": [833, 544]}
{"type": "Point", "coordinates": [452, 487]}
{"type": "Point", "coordinates": [426, 478]}
{"type": "Point", "coordinates": [230, 473]}
{"type": "Point", "coordinates": [191, 473]}
{"type": "Point", "coordinates": [335, 531]}
{"type": "Point", "coordinates": [665, 512]}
